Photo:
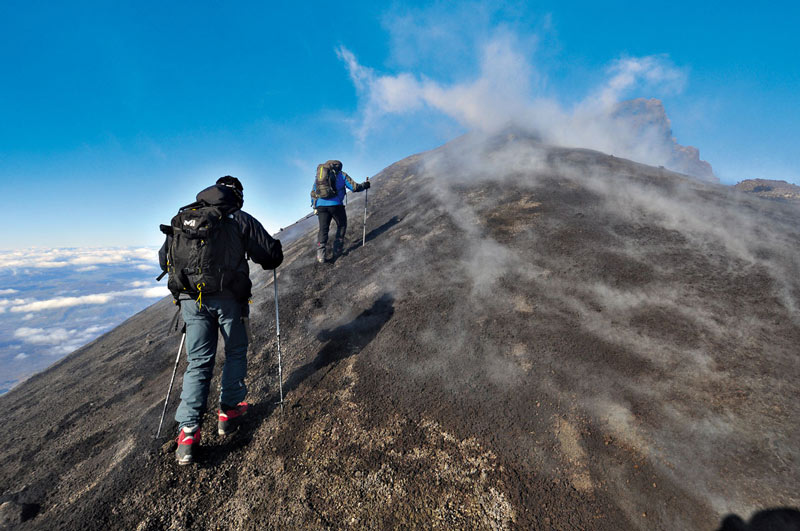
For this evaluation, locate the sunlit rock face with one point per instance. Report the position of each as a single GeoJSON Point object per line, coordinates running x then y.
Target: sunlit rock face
{"type": "Point", "coordinates": [647, 118]}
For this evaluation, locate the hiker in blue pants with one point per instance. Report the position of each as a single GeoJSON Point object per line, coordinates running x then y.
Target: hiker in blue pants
{"type": "Point", "coordinates": [213, 295]}
{"type": "Point", "coordinates": [203, 322]}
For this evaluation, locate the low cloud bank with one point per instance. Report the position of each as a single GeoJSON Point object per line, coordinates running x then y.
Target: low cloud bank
{"type": "Point", "coordinates": [29, 305]}
{"type": "Point", "coordinates": [61, 340]}
{"type": "Point", "coordinates": [53, 301]}
{"type": "Point", "coordinates": [84, 259]}
{"type": "Point", "coordinates": [26, 267]}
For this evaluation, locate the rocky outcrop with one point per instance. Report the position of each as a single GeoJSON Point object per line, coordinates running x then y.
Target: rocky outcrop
{"type": "Point", "coordinates": [13, 513]}
{"type": "Point", "coordinates": [686, 159]}
{"type": "Point", "coordinates": [649, 119]}
{"type": "Point", "coordinates": [769, 189]}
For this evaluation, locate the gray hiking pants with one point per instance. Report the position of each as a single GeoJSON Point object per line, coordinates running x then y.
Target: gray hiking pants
{"type": "Point", "coordinates": [202, 327]}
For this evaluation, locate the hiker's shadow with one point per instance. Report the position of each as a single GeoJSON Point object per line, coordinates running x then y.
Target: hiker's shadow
{"type": "Point", "coordinates": [377, 231]}
{"type": "Point", "coordinates": [774, 519]}
{"type": "Point", "coordinates": [344, 341]}
{"type": "Point", "coordinates": [341, 343]}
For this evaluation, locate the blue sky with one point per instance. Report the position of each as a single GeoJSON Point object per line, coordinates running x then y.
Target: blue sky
{"type": "Point", "coordinates": [113, 114]}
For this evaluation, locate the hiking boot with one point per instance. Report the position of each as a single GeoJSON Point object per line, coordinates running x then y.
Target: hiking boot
{"type": "Point", "coordinates": [230, 417]}
{"type": "Point", "coordinates": [320, 253]}
{"type": "Point", "coordinates": [188, 438]}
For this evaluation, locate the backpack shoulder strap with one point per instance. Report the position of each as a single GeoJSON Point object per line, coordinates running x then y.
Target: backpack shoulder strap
{"type": "Point", "coordinates": [193, 206]}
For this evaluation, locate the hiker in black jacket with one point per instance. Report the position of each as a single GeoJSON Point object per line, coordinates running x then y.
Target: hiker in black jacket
{"type": "Point", "coordinates": [206, 314]}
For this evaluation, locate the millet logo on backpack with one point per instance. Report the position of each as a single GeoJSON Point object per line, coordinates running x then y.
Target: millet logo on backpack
{"type": "Point", "coordinates": [190, 222]}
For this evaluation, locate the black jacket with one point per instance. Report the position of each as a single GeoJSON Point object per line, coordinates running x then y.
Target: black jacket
{"type": "Point", "coordinates": [259, 246]}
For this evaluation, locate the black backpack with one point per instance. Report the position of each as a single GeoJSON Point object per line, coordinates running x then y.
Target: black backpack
{"type": "Point", "coordinates": [205, 252]}
{"type": "Point", "coordinates": [325, 180]}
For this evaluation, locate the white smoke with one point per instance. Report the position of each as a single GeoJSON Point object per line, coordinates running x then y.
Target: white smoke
{"type": "Point", "coordinates": [507, 93]}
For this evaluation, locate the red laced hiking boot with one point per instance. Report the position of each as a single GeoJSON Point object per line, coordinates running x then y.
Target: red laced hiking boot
{"type": "Point", "coordinates": [230, 417]}
{"type": "Point", "coordinates": [188, 438]}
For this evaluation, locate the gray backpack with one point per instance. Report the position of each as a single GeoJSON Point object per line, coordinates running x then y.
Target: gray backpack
{"type": "Point", "coordinates": [325, 180]}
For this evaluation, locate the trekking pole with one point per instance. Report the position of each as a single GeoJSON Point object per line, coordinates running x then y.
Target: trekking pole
{"type": "Point", "coordinates": [278, 330]}
{"type": "Point", "coordinates": [171, 381]}
{"type": "Point", "coordinates": [364, 233]}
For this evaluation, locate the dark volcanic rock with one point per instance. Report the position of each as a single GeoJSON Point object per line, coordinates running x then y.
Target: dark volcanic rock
{"type": "Point", "coordinates": [10, 514]}
{"type": "Point", "coordinates": [13, 514]}
{"type": "Point", "coordinates": [532, 338]}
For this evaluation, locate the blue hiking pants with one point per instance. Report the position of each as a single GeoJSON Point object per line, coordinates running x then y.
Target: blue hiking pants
{"type": "Point", "coordinates": [202, 326]}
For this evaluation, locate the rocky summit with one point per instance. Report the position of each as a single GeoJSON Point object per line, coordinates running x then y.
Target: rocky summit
{"type": "Point", "coordinates": [649, 124]}
{"type": "Point", "coordinates": [532, 337]}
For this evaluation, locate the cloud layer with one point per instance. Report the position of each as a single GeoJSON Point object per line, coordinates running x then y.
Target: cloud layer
{"type": "Point", "coordinates": [53, 301]}
{"type": "Point", "coordinates": [85, 258]}
{"type": "Point", "coordinates": [30, 305]}
{"type": "Point", "coordinates": [58, 340]}
{"type": "Point", "coordinates": [79, 261]}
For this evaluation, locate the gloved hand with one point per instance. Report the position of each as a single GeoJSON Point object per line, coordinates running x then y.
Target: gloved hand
{"type": "Point", "coordinates": [366, 185]}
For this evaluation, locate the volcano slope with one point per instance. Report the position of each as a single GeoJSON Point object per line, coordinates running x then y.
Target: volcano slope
{"type": "Point", "coordinates": [532, 337]}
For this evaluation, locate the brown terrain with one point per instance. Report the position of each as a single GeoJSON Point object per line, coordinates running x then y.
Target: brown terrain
{"type": "Point", "coordinates": [531, 338]}
{"type": "Point", "coordinates": [770, 189]}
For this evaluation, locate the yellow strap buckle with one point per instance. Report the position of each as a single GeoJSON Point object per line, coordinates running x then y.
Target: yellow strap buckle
{"type": "Point", "coordinates": [199, 300]}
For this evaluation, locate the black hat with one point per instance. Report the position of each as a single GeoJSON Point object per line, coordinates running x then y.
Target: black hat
{"type": "Point", "coordinates": [235, 184]}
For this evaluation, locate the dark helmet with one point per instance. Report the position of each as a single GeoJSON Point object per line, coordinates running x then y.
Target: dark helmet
{"type": "Point", "coordinates": [234, 184]}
